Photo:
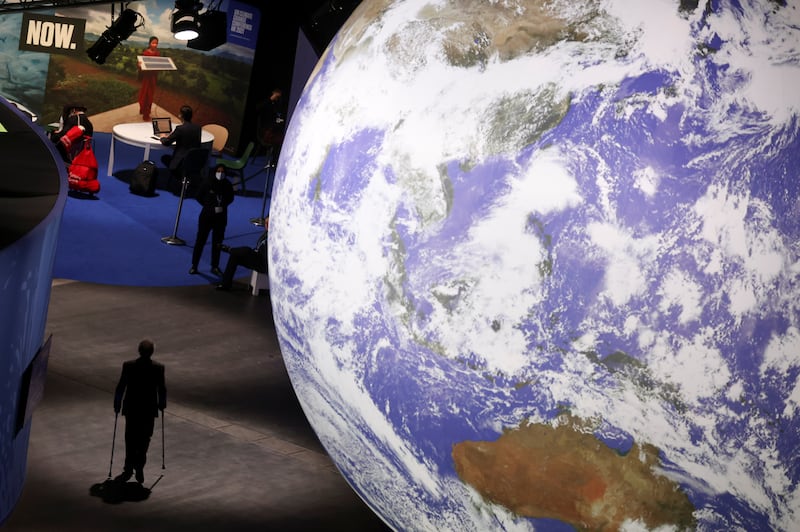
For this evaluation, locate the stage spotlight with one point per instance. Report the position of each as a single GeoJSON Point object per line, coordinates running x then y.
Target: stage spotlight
{"type": "Point", "coordinates": [185, 24]}
{"type": "Point", "coordinates": [213, 31]}
{"type": "Point", "coordinates": [120, 29]}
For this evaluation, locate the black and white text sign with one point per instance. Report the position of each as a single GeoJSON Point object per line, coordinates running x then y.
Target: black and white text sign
{"type": "Point", "coordinates": [52, 35]}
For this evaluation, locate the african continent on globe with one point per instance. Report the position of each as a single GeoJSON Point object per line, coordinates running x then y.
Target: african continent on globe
{"type": "Point", "coordinates": [535, 265]}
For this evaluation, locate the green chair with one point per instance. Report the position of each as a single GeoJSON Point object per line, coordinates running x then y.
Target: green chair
{"type": "Point", "coordinates": [235, 166]}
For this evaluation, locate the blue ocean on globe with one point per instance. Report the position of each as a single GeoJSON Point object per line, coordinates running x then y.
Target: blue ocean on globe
{"type": "Point", "coordinates": [535, 265]}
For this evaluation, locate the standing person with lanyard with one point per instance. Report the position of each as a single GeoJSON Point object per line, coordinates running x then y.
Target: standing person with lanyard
{"type": "Point", "coordinates": [215, 194]}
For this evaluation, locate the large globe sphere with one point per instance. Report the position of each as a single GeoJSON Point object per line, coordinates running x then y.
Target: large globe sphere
{"type": "Point", "coordinates": [535, 264]}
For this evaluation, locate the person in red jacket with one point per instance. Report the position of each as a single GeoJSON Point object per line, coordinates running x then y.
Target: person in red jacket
{"type": "Point", "coordinates": [148, 78]}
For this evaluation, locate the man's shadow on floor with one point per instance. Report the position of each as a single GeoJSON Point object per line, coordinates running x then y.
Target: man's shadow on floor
{"type": "Point", "coordinates": [114, 491]}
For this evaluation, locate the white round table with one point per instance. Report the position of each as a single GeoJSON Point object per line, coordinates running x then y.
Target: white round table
{"type": "Point", "coordinates": [140, 134]}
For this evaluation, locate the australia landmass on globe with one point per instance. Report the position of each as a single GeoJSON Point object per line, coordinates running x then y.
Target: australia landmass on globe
{"type": "Point", "coordinates": [563, 472]}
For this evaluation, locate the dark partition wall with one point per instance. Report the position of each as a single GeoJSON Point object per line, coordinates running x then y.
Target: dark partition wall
{"type": "Point", "coordinates": [33, 190]}
{"type": "Point", "coordinates": [305, 59]}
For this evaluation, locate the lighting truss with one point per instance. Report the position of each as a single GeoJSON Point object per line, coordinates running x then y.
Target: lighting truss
{"type": "Point", "coordinates": [10, 6]}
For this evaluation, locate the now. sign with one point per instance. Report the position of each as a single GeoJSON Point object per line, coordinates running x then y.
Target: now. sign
{"type": "Point", "coordinates": [49, 34]}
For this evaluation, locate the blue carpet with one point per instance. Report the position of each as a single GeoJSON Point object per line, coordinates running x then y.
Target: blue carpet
{"type": "Point", "coordinates": [115, 237]}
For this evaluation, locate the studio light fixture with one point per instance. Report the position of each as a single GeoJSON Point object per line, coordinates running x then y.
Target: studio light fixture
{"type": "Point", "coordinates": [120, 29]}
{"type": "Point", "coordinates": [213, 30]}
{"type": "Point", "coordinates": [185, 19]}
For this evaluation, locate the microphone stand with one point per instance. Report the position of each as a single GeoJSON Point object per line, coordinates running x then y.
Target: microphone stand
{"type": "Point", "coordinates": [173, 238]}
{"type": "Point", "coordinates": [269, 168]}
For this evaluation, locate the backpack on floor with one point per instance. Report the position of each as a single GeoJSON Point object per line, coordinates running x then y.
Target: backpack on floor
{"type": "Point", "coordinates": [143, 180]}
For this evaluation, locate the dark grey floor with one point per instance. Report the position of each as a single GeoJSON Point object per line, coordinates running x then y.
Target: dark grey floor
{"type": "Point", "coordinates": [238, 451]}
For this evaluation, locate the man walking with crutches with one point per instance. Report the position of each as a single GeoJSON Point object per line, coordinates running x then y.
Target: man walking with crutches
{"type": "Point", "coordinates": [141, 393]}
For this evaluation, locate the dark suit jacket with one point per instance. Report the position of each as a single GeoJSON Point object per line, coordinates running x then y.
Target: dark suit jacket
{"type": "Point", "coordinates": [141, 389]}
{"type": "Point", "coordinates": [185, 137]}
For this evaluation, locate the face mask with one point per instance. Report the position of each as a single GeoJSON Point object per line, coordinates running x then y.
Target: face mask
{"type": "Point", "coordinates": [219, 176]}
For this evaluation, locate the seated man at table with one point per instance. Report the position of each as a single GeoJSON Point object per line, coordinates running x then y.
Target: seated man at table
{"type": "Point", "coordinates": [185, 137]}
{"type": "Point", "coordinates": [252, 258]}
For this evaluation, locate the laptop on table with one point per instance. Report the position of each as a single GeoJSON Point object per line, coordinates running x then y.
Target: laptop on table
{"type": "Point", "coordinates": [161, 126]}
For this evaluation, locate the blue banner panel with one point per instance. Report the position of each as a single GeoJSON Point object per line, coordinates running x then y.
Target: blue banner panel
{"type": "Point", "coordinates": [243, 23]}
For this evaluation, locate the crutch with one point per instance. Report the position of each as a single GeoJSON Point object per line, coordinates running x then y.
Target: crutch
{"type": "Point", "coordinates": [113, 440]}
{"type": "Point", "coordinates": [163, 466]}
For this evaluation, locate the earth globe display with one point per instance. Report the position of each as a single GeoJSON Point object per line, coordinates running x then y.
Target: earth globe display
{"type": "Point", "coordinates": [535, 265]}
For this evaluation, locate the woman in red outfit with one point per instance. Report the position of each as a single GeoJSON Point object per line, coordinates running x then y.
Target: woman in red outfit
{"type": "Point", "coordinates": [148, 77]}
